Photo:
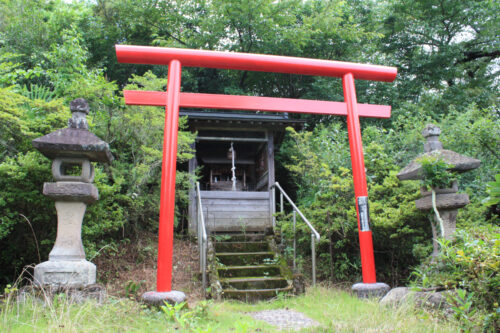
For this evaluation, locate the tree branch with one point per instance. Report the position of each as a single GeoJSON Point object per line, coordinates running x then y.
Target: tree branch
{"type": "Point", "coordinates": [473, 55]}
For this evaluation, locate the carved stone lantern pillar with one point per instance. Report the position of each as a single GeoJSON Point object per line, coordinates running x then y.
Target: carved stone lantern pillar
{"type": "Point", "coordinates": [72, 150]}
{"type": "Point", "coordinates": [448, 201]}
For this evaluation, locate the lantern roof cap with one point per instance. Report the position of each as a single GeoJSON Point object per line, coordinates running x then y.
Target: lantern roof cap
{"type": "Point", "coordinates": [434, 148]}
{"type": "Point", "coordinates": [75, 140]}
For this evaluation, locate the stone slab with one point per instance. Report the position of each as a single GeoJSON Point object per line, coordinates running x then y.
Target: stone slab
{"type": "Point", "coordinates": [285, 319]}
{"type": "Point", "coordinates": [396, 296]}
{"type": "Point", "coordinates": [46, 294]}
{"type": "Point", "coordinates": [156, 298]}
{"type": "Point", "coordinates": [65, 274]}
{"type": "Point", "coordinates": [71, 191]}
{"type": "Point", "coordinates": [444, 201]}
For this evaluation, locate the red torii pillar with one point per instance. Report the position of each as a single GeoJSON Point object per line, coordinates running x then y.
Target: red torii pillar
{"type": "Point", "coordinates": [256, 62]}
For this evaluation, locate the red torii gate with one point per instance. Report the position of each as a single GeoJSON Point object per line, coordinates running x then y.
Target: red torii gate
{"type": "Point", "coordinates": [173, 99]}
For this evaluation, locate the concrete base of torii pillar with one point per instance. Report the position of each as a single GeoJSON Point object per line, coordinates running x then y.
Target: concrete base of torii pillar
{"type": "Point", "coordinates": [370, 290]}
{"type": "Point", "coordinates": [158, 298]}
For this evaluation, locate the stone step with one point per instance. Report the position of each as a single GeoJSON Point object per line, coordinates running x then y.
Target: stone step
{"type": "Point", "coordinates": [251, 295]}
{"type": "Point", "coordinates": [254, 283]}
{"type": "Point", "coordinates": [241, 247]}
{"type": "Point", "coordinates": [245, 258]}
{"type": "Point", "coordinates": [248, 271]}
{"type": "Point", "coordinates": [238, 237]}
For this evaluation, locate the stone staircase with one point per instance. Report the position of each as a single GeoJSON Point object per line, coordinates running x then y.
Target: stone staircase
{"type": "Point", "coordinates": [248, 267]}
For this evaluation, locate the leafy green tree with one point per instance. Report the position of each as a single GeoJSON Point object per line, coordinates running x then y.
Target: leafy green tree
{"type": "Point", "coordinates": [444, 47]}
{"type": "Point", "coordinates": [30, 28]}
{"type": "Point", "coordinates": [24, 210]}
{"type": "Point", "coordinates": [38, 77]}
{"type": "Point", "coordinates": [137, 134]}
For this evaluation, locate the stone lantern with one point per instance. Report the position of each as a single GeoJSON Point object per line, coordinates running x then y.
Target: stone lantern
{"type": "Point", "coordinates": [72, 150]}
{"type": "Point", "coordinates": [448, 201]}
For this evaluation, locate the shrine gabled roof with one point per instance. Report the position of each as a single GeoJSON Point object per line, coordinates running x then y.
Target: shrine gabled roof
{"type": "Point", "coordinates": [238, 117]}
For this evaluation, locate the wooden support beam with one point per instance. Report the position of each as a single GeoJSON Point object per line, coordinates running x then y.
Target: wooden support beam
{"type": "Point", "coordinates": [229, 139]}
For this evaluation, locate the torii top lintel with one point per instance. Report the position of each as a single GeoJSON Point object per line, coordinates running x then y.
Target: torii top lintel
{"type": "Point", "coordinates": [252, 62]}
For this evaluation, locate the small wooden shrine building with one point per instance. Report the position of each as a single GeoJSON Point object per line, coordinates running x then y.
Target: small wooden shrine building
{"type": "Point", "coordinates": [239, 201]}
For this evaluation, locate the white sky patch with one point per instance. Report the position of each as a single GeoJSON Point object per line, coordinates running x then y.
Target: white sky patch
{"type": "Point", "coordinates": [466, 35]}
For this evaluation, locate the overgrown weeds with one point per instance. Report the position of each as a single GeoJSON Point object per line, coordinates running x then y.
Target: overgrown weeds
{"type": "Point", "coordinates": [335, 310]}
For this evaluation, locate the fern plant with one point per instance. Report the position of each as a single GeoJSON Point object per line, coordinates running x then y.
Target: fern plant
{"type": "Point", "coordinates": [36, 91]}
{"type": "Point", "coordinates": [493, 190]}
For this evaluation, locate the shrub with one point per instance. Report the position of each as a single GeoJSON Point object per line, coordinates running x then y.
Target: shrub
{"type": "Point", "coordinates": [318, 162]}
{"type": "Point", "coordinates": [469, 262]}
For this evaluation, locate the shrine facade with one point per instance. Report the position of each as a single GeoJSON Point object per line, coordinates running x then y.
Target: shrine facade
{"type": "Point", "coordinates": [241, 200]}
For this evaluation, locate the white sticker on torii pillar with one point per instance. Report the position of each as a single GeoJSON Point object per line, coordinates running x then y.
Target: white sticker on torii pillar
{"type": "Point", "coordinates": [364, 216]}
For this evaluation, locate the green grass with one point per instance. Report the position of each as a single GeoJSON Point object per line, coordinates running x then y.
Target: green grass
{"type": "Point", "coordinates": [335, 310]}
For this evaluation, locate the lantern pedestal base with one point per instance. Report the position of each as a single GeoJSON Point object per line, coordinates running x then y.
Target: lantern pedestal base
{"type": "Point", "coordinates": [370, 290]}
{"type": "Point", "coordinates": [65, 274]}
{"type": "Point", "coordinates": [156, 298]}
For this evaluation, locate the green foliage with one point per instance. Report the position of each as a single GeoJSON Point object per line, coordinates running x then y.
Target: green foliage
{"type": "Point", "coordinates": [9, 71]}
{"type": "Point", "coordinates": [37, 92]}
{"type": "Point", "coordinates": [436, 172]}
{"type": "Point", "coordinates": [137, 133]}
{"type": "Point", "coordinates": [54, 51]}
{"type": "Point", "coordinates": [183, 318]}
{"type": "Point", "coordinates": [318, 29]}
{"type": "Point", "coordinates": [493, 190]}
{"type": "Point", "coordinates": [469, 262]}
{"type": "Point", "coordinates": [462, 308]}
{"type": "Point", "coordinates": [31, 27]}
{"type": "Point", "coordinates": [334, 310]}
{"type": "Point", "coordinates": [33, 102]}
{"type": "Point", "coordinates": [318, 162]}
{"type": "Point", "coordinates": [21, 179]}
{"type": "Point", "coordinates": [444, 48]}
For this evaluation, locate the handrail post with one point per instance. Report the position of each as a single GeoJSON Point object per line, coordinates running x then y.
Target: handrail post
{"type": "Point", "coordinates": [273, 206]}
{"type": "Point", "coordinates": [294, 239]}
{"type": "Point", "coordinates": [282, 209]}
{"type": "Point", "coordinates": [202, 240]}
{"type": "Point", "coordinates": [204, 272]}
{"type": "Point", "coordinates": [314, 234]}
{"type": "Point", "coordinates": [313, 256]}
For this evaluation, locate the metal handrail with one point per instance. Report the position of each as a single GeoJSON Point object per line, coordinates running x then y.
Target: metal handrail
{"type": "Point", "coordinates": [202, 240]}
{"type": "Point", "coordinates": [314, 234]}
